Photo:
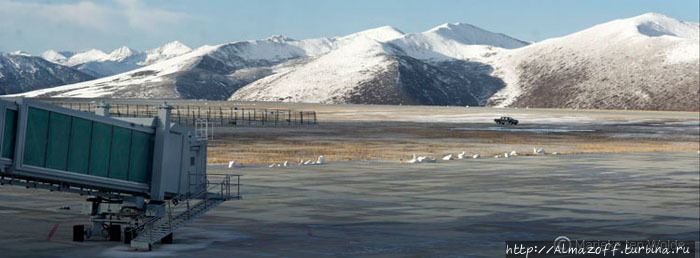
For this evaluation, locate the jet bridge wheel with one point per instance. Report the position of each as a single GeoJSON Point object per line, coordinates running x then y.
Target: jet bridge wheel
{"type": "Point", "coordinates": [129, 234]}
{"type": "Point", "coordinates": [115, 232]}
{"type": "Point", "coordinates": [78, 233]}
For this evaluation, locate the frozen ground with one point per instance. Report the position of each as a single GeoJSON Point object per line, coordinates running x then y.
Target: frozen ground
{"type": "Point", "coordinates": [350, 209]}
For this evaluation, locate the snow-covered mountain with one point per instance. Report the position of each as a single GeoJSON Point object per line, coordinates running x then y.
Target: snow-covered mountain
{"type": "Point", "coordinates": [366, 57]}
{"type": "Point", "coordinates": [100, 64]}
{"type": "Point", "coordinates": [56, 57]}
{"type": "Point", "coordinates": [209, 72]}
{"type": "Point", "coordinates": [400, 69]}
{"type": "Point", "coordinates": [20, 72]}
{"type": "Point", "coordinates": [453, 41]}
{"type": "Point", "coordinates": [167, 51]}
{"type": "Point", "coordinates": [644, 62]}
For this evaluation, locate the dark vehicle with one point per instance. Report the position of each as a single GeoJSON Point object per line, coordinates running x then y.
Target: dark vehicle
{"type": "Point", "coordinates": [506, 120]}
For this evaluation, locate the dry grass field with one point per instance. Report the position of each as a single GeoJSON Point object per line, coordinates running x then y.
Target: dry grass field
{"type": "Point", "coordinates": [391, 133]}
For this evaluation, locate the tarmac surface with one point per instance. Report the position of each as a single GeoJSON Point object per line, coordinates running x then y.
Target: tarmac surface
{"type": "Point", "coordinates": [464, 208]}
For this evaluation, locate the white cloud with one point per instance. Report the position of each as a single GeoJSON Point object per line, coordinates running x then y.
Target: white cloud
{"type": "Point", "coordinates": [140, 17]}
{"type": "Point", "coordinates": [105, 17]}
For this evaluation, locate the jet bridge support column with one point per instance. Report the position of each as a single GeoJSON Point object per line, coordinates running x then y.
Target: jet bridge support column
{"type": "Point", "coordinates": [162, 123]}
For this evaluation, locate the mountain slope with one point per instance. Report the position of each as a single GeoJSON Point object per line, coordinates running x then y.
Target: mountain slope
{"type": "Point", "coordinates": [394, 69]}
{"type": "Point", "coordinates": [645, 62]}
{"type": "Point", "coordinates": [20, 73]}
{"type": "Point", "coordinates": [211, 72]}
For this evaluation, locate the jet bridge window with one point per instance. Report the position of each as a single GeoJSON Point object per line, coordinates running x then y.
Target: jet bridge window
{"type": "Point", "coordinates": [10, 131]}
{"type": "Point", "coordinates": [67, 143]}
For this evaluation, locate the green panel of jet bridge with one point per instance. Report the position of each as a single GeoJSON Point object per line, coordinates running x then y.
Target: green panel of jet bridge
{"type": "Point", "coordinates": [36, 137]}
{"type": "Point", "coordinates": [140, 163]}
{"type": "Point", "coordinates": [10, 134]}
{"type": "Point", "coordinates": [58, 141]}
{"type": "Point", "coordinates": [119, 156]}
{"type": "Point", "coordinates": [79, 149]}
{"type": "Point", "coordinates": [100, 148]}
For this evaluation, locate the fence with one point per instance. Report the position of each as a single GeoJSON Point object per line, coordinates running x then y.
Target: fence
{"type": "Point", "coordinates": [215, 115]}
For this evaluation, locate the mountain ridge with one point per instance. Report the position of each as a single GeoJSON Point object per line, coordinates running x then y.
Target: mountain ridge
{"type": "Point", "coordinates": [450, 64]}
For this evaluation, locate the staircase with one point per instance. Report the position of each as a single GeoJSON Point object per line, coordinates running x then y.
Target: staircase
{"type": "Point", "coordinates": [164, 226]}
{"type": "Point", "coordinates": [211, 195]}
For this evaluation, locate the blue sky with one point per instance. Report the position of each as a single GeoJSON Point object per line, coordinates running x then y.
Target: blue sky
{"type": "Point", "coordinates": [35, 26]}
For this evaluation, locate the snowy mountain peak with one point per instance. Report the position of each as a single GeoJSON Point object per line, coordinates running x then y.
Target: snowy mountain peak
{"type": "Point", "coordinates": [651, 16]}
{"type": "Point", "coordinates": [655, 25]}
{"type": "Point", "coordinates": [452, 26]}
{"type": "Point", "coordinates": [20, 53]}
{"type": "Point", "coordinates": [54, 56]}
{"type": "Point", "coordinates": [381, 34]}
{"type": "Point", "coordinates": [174, 47]}
{"type": "Point", "coordinates": [91, 55]}
{"type": "Point", "coordinates": [468, 34]}
{"type": "Point", "coordinates": [649, 25]}
{"type": "Point", "coordinates": [167, 51]}
{"type": "Point", "coordinates": [279, 39]}
{"type": "Point", "coordinates": [122, 53]}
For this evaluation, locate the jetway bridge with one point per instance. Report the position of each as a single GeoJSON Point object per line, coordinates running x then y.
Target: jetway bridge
{"type": "Point", "coordinates": [144, 176]}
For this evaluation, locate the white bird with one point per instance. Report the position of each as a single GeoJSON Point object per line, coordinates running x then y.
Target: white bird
{"type": "Point", "coordinates": [513, 153]}
{"type": "Point", "coordinates": [308, 162]}
{"type": "Point", "coordinates": [540, 151]}
{"type": "Point", "coordinates": [278, 165]}
{"type": "Point", "coordinates": [414, 159]}
{"type": "Point", "coordinates": [555, 153]}
{"type": "Point", "coordinates": [271, 165]}
{"type": "Point", "coordinates": [448, 157]}
{"type": "Point", "coordinates": [420, 159]}
{"type": "Point", "coordinates": [321, 160]}
{"type": "Point", "coordinates": [497, 156]}
{"type": "Point", "coordinates": [461, 155]}
{"type": "Point", "coordinates": [286, 163]}
{"type": "Point", "coordinates": [476, 156]}
{"type": "Point", "coordinates": [301, 162]}
{"type": "Point", "coordinates": [506, 155]}
{"type": "Point", "coordinates": [232, 164]}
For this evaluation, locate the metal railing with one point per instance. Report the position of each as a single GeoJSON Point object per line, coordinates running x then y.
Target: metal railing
{"type": "Point", "coordinates": [214, 191]}
{"type": "Point", "coordinates": [216, 115]}
{"type": "Point", "coordinates": [224, 185]}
